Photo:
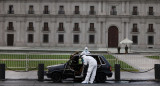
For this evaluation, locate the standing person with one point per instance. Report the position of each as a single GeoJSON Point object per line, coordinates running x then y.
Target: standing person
{"type": "Point", "coordinates": [92, 69]}
{"type": "Point", "coordinates": [126, 49]}
{"type": "Point", "coordinates": [85, 51]}
{"type": "Point", "coordinates": [119, 48]}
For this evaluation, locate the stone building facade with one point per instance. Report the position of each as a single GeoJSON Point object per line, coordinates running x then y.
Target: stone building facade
{"type": "Point", "coordinates": [79, 23]}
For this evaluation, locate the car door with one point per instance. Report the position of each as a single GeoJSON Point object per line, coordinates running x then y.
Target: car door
{"type": "Point", "coordinates": [68, 72]}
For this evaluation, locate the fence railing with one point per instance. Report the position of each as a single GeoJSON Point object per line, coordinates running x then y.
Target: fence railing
{"type": "Point", "coordinates": [28, 61]}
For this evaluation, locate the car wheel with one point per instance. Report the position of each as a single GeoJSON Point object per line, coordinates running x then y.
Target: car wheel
{"type": "Point", "coordinates": [56, 77]}
{"type": "Point", "coordinates": [100, 77]}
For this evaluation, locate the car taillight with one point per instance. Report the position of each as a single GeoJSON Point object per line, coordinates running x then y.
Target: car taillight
{"type": "Point", "coordinates": [110, 68]}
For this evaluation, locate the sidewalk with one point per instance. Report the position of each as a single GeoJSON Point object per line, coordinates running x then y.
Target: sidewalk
{"type": "Point", "coordinates": [140, 62]}
{"type": "Point", "coordinates": [124, 75]}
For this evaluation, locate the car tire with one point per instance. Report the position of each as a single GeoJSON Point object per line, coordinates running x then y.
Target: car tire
{"type": "Point", "coordinates": [56, 77]}
{"type": "Point", "coordinates": [100, 77]}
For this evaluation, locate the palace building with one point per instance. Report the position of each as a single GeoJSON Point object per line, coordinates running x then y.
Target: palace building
{"type": "Point", "coordinates": [79, 23]}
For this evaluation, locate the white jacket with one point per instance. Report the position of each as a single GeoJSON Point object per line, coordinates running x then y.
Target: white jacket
{"type": "Point", "coordinates": [89, 60]}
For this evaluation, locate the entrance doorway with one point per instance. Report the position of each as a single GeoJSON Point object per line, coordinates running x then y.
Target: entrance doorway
{"type": "Point", "coordinates": [10, 39]}
{"type": "Point", "coordinates": [113, 37]}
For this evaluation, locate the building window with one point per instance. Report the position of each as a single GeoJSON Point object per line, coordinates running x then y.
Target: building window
{"type": "Point", "coordinates": [92, 12]}
{"type": "Point", "coordinates": [76, 27]}
{"type": "Point", "coordinates": [135, 10]}
{"type": "Point", "coordinates": [76, 10]}
{"type": "Point", "coordinates": [135, 29]}
{"type": "Point", "coordinates": [60, 38]}
{"type": "Point", "coordinates": [150, 11]}
{"type": "Point", "coordinates": [46, 11]}
{"type": "Point", "coordinates": [31, 10]}
{"type": "Point", "coordinates": [61, 28]}
{"type": "Point", "coordinates": [76, 39]}
{"type": "Point", "coordinates": [135, 40]}
{"type": "Point", "coordinates": [10, 11]}
{"type": "Point", "coordinates": [45, 38]}
{"type": "Point", "coordinates": [10, 26]}
{"type": "Point", "coordinates": [150, 40]}
{"type": "Point", "coordinates": [91, 39]}
{"type": "Point", "coordinates": [30, 38]}
{"type": "Point", "coordinates": [150, 28]}
{"type": "Point", "coordinates": [113, 10]}
{"type": "Point", "coordinates": [30, 28]}
{"type": "Point", "coordinates": [91, 28]}
{"type": "Point", "coordinates": [61, 10]}
{"type": "Point", "coordinates": [45, 28]}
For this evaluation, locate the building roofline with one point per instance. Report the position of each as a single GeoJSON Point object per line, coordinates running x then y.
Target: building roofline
{"type": "Point", "coordinates": [85, 0]}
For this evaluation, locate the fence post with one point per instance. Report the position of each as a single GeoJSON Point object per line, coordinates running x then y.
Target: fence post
{"type": "Point", "coordinates": [117, 72]}
{"type": "Point", "coordinates": [2, 71]}
{"type": "Point", "coordinates": [27, 62]}
{"type": "Point", "coordinates": [157, 71]}
{"type": "Point", "coordinates": [40, 72]}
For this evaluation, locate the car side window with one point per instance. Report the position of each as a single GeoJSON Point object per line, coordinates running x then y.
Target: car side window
{"type": "Point", "coordinates": [102, 61]}
{"type": "Point", "coordinates": [97, 59]}
{"type": "Point", "coordinates": [74, 60]}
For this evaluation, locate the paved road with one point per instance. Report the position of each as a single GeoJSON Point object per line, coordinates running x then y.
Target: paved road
{"type": "Point", "coordinates": [69, 83]}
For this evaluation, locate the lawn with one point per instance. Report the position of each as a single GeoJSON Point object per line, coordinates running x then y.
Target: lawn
{"type": "Point", "coordinates": [45, 60]}
{"type": "Point", "coordinates": [153, 57]}
{"type": "Point", "coordinates": [22, 56]}
{"type": "Point", "coordinates": [112, 60]}
{"type": "Point", "coordinates": [22, 65]}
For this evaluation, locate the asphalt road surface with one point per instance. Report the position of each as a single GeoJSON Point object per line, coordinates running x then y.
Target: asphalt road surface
{"type": "Point", "coordinates": [70, 83]}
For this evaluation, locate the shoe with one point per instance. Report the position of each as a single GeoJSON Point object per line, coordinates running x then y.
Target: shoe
{"type": "Point", "coordinates": [84, 82]}
{"type": "Point", "coordinates": [90, 82]}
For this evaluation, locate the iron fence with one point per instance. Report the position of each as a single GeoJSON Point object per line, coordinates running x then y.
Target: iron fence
{"type": "Point", "coordinates": [30, 61]}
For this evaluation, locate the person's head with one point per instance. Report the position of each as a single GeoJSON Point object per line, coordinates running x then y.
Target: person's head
{"type": "Point", "coordinates": [86, 48]}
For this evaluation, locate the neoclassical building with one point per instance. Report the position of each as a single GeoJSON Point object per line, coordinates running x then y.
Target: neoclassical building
{"type": "Point", "coordinates": [79, 23]}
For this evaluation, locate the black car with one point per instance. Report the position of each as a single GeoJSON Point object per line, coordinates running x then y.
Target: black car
{"type": "Point", "coordinates": [74, 68]}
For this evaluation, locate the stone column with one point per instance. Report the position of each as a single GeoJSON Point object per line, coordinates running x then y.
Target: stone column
{"type": "Point", "coordinates": [1, 32]}
{"type": "Point", "coordinates": [104, 8]}
{"type": "Point", "coordinates": [99, 8]}
{"type": "Point", "coordinates": [127, 8]}
{"type": "Point", "coordinates": [127, 23]}
{"type": "Point", "coordinates": [123, 8]}
{"type": "Point", "coordinates": [142, 9]}
{"type": "Point", "coordinates": [38, 33]}
{"type": "Point", "coordinates": [143, 35]}
{"type": "Point", "coordinates": [123, 31]}
{"type": "Point", "coordinates": [68, 33]}
{"type": "Point", "coordinates": [84, 10]}
{"type": "Point", "coordinates": [98, 33]}
{"type": "Point", "coordinates": [17, 34]}
{"type": "Point", "coordinates": [84, 33]}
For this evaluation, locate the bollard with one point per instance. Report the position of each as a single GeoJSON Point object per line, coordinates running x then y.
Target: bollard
{"type": "Point", "coordinates": [2, 71]}
{"type": "Point", "coordinates": [157, 71]}
{"type": "Point", "coordinates": [40, 72]}
{"type": "Point", "coordinates": [117, 72]}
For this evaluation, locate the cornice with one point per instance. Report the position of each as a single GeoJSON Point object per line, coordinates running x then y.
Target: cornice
{"type": "Point", "coordinates": [81, 16]}
{"type": "Point", "coordinates": [82, 0]}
